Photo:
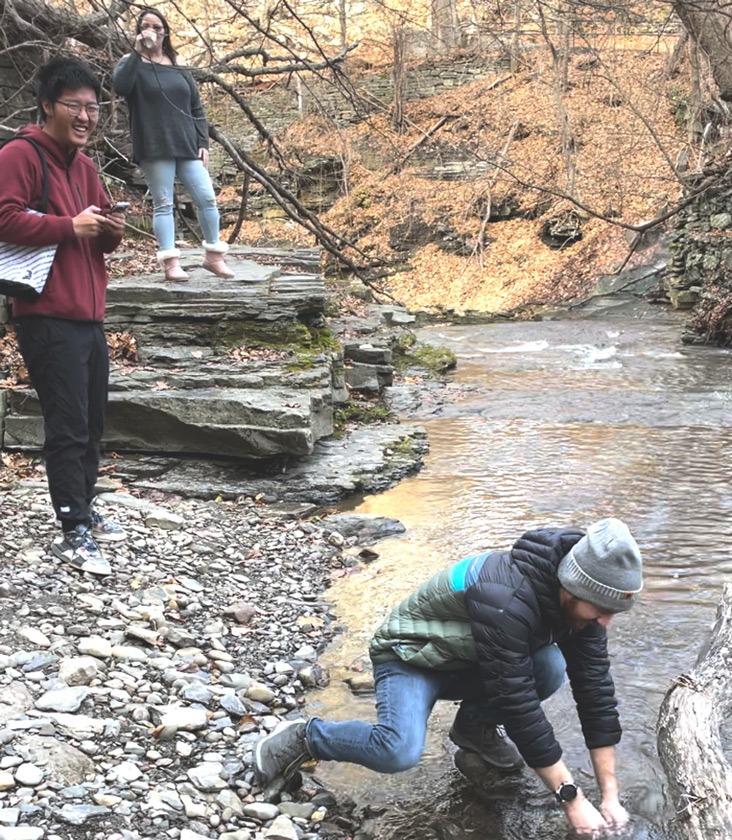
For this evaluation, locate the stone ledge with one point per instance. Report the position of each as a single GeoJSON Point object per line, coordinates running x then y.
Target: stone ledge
{"type": "Point", "coordinates": [369, 460]}
{"type": "Point", "coordinates": [215, 421]}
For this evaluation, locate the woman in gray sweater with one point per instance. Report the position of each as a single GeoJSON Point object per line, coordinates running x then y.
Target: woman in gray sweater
{"type": "Point", "coordinates": [169, 139]}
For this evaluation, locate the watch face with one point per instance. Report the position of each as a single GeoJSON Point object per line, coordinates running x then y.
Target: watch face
{"type": "Point", "coordinates": [567, 792]}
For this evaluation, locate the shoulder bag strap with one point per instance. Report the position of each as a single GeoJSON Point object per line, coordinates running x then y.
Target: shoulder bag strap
{"type": "Point", "coordinates": [43, 203]}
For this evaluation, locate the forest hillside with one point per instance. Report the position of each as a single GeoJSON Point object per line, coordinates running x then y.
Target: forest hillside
{"type": "Point", "coordinates": [564, 130]}
{"type": "Point", "coordinates": [524, 191]}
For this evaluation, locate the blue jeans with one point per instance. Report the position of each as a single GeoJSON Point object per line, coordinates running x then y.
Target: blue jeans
{"type": "Point", "coordinates": [160, 176]}
{"type": "Point", "coordinates": [405, 696]}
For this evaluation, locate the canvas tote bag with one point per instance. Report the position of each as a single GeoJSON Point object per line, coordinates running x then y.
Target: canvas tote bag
{"type": "Point", "coordinates": [24, 269]}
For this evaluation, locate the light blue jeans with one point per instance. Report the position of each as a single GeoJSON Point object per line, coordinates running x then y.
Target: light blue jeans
{"type": "Point", "coordinates": [405, 696]}
{"type": "Point", "coordinates": [160, 176]}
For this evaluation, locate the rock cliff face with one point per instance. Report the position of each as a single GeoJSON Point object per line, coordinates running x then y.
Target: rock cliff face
{"type": "Point", "coordinates": [189, 393]}
{"type": "Point", "coordinates": [699, 275]}
{"type": "Point", "coordinates": [235, 384]}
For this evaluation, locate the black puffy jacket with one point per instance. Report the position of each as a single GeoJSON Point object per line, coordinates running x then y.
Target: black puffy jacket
{"type": "Point", "coordinates": [495, 610]}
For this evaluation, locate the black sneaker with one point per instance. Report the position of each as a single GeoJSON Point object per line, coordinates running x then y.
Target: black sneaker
{"type": "Point", "coordinates": [489, 742]}
{"type": "Point", "coordinates": [281, 752]}
{"type": "Point", "coordinates": [105, 530]}
{"type": "Point", "coordinates": [79, 549]}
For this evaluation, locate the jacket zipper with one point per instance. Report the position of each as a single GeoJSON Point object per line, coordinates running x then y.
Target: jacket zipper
{"type": "Point", "coordinates": [86, 251]}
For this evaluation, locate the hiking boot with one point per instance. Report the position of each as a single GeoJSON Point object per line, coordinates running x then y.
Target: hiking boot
{"type": "Point", "coordinates": [105, 530]}
{"type": "Point", "coordinates": [489, 742]}
{"type": "Point", "coordinates": [281, 752]}
{"type": "Point", "coordinates": [79, 549]}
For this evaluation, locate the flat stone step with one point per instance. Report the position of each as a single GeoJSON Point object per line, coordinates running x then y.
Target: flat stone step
{"type": "Point", "coordinates": [306, 372]}
{"type": "Point", "coordinates": [368, 460]}
{"type": "Point", "coordinates": [266, 301]}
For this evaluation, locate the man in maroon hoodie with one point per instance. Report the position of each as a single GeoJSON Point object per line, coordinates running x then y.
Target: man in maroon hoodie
{"type": "Point", "coordinates": [61, 333]}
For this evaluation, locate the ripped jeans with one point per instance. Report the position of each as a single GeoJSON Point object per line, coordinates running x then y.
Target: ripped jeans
{"type": "Point", "coordinates": [160, 176]}
{"type": "Point", "coordinates": [405, 696]}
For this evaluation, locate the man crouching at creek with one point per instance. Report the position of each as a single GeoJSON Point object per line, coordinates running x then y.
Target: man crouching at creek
{"type": "Point", "coordinates": [497, 631]}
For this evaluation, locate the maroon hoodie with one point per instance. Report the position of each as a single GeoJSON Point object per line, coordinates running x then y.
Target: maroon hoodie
{"type": "Point", "coordinates": [77, 285]}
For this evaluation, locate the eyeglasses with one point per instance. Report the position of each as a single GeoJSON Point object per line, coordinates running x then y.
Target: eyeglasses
{"type": "Point", "coordinates": [155, 28]}
{"type": "Point", "coordinates": [75, 108]}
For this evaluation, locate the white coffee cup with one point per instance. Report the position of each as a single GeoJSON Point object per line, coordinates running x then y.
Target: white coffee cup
{"type": "Point", "coordinates": [149, 39]}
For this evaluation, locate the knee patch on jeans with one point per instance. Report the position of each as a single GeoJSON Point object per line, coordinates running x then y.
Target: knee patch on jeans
{"type": "Point", "coordinates": [164, 207]}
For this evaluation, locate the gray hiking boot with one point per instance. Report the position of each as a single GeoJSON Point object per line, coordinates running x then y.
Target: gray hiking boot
{"type": "Point", "coordinates": [489, 742]}
{"type": "Point", "coordinates": [281, 752]}
{"type": "Point", "coordinates": [79, 549]}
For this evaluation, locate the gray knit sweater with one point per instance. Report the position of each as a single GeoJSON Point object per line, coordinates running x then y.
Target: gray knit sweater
{"type": "Point", "coordinates": [166, 115]}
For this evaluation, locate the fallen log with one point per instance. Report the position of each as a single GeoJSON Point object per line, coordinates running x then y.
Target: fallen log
{"type": "Point", "coordinates": [690, 741]}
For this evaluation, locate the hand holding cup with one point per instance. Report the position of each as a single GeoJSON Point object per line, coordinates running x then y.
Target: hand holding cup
{"type": "Point", "coordinates": [147, 38]}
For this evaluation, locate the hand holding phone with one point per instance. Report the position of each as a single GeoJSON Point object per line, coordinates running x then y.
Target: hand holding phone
{"type": "Point", "coordinates": [119, 207]}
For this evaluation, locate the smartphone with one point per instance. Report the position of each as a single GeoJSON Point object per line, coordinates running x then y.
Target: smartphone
{"type": "Point", "coordinates": [119, 207]}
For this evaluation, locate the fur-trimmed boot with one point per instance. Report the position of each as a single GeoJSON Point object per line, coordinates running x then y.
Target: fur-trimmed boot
{"type": "Point", "coordinates": [214, 259]}
{"type": "Point", "coordinates": [171, 264]}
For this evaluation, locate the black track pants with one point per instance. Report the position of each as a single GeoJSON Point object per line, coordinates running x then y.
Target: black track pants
{"type": "Point", "coordinates": [68, 363]}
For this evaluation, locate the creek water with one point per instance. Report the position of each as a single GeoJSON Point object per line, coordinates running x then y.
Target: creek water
{"type": "Point", "coordinates": [554, 422]}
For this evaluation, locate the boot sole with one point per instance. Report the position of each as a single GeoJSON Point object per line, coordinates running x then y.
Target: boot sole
{"type": "Point", "coordinates": [108, 538]}
{"type": "Point", "coordinates": [225, 275]}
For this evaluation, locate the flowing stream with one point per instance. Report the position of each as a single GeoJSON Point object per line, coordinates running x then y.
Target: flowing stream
{"type": "Point", "coordinates": [557, 422]}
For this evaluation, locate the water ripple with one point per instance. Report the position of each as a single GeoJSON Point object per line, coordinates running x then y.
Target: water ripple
{"type": "Point", "coordinates": [565, 423]}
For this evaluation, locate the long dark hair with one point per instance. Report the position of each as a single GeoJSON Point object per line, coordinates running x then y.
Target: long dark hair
{"type": "Point", "coordinates": [167, 46]}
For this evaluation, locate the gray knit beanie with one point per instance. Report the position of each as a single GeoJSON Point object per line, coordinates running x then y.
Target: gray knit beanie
{"type": "Point", "coordinates": [604, 567]}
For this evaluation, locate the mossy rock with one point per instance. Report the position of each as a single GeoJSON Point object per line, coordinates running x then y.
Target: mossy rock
{"type": "Point", "coordinates": [405, 446]}
{"type": "Point", "coordinates": [436, 360]}
{"type": "Point", "coordinates": [280, 335]}
{"type": "Point", "coordinates": [302, 362]}
{"type": "Point", "coordinates": [360, 412]}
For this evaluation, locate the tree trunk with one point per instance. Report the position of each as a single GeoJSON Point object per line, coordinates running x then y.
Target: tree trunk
{"type": "Point", "coordinates": [710, 25]}
{"type": "Point", "coordinates": [399, 75]}
{"type": "Point", "coordinates": [343, 21]}
{"type": "Point", "coordinates": [560, 59]}
{"type": "Point", "coordinates": [689, 739]}
{"type": "Point", "coordinates": [516, 38]}
{"type": "Point", "coordinates": [444, 24]}
{"type": "Point", "coordinates": [674, 60]}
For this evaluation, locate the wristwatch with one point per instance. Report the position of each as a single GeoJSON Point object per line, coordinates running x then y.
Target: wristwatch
{"type": "Point", "coordinates": [566, 792]}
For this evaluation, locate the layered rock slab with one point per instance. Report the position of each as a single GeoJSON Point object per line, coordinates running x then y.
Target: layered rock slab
{"type": "Point", "coordinates": [189, 394]}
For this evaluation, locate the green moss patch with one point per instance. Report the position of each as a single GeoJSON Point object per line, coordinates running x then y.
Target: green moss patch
{"type": "Point", "coordinates": [436, 360]}
{"type": "Point", "coordinates": [362, 412]}
{"type": "Point", "coordinates": [293, 336]}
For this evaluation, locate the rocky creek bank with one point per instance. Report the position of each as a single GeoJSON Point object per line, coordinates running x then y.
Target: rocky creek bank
{"type": "Point", "coordinates": [130, 705]}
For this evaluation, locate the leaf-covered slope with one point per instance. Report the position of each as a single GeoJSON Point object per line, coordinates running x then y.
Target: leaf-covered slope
{"type": "Point", "coordinates": [463, 211]}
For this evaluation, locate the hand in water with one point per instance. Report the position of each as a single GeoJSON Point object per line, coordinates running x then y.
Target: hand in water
{"type": "Point", "coordinates": [585, 819]}
{"type": "Point", "coordinates": [615, 815]}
